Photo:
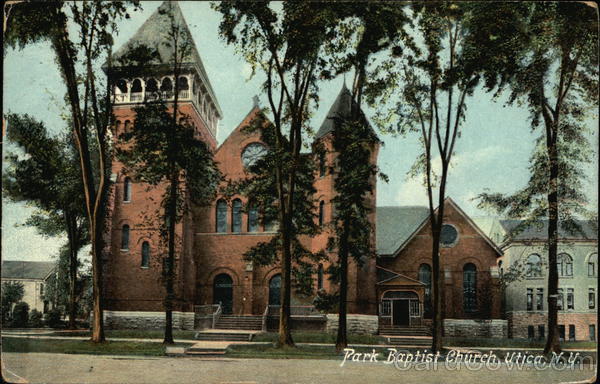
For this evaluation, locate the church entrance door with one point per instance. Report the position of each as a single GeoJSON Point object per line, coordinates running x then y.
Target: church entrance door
{"type": "Point", "coordinates": [223, 292]}
{"type": "Point", "coordinates": [400, 314]}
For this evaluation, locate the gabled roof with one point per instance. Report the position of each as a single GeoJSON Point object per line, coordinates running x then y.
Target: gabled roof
{"type": "Point", "coordinates": [540, 232]}
{"type": "Point", "coordinates": [403, 224]}
{"type": "Point", "coordinates": [341, 108]}
{"type": "Point", "coordinates": [26, 269]}
{"type": "Point", "coordinates": [395, 225]}
{"type": "Point", "coordinates": [154, 34]}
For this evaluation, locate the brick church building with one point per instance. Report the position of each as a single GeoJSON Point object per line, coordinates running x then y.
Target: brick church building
{"type": "Point", "coordinates": [393, 289]}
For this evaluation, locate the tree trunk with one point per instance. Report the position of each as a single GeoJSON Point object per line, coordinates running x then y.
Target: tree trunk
{"type": "Point", "coordinates": [552, 342]}
{"type": "Point", "coordinates": [342, 334]}
{"type": "Point", "coordinates": [171, 260]}
{"type": "Point", "coordinates": [285, 336]}
{"type": "Point", "coordinates": [98, 323]}
{"type": "Point", "coordinates": [72, 286]}
{"type": "Point", "coordinates": [437, 287]}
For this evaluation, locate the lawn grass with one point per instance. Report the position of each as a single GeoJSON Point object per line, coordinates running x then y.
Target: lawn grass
{"type": "Point", "coordinates": [26, 345]}
{"type": "Point", "coordinates": [130, 333]}
{"type": "Point", "coordinates": [511, 343]}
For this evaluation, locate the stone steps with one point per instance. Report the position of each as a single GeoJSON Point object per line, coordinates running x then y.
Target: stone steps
{"type": "Point", "coordinates": [407, 341]}
{"type": "Point", "coordinates": [405, 331]}
{"type": "Point", "coordinates": [250, 323]}
{"type": "Point", "coordinates": [223, 336]}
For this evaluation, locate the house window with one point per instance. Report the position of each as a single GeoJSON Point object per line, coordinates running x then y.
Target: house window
{"type": "Point", "coordinates": [425, 278]}
{"type": "Point", "coordinates": [236, 216]}
{"type": "Point", "coordinates": [252, 218]}
{"type": "Point", "coordinates": [41, 289]}
{"type": "Point", "coordinates": [592, 332]}
{"type": "Point", "coordinates": [470, 287]}
{"type": "Point", "coordinates": [593, 265]}
{"type": "Point", "coordinates": [530, 299]}
{"type": "Point", "coordinates": [320, 277]}
{"type": "Point", "coordinates": [448, 236]}
{"type": "Point", "coordinates": [221, 216]}
{"type": "Point", "coordinates": [571, 332]}
{"type": "Point", "coordinates": [127, 190]}
{"type": "Point", "coordinates": [561, 332]}
{"type": "Point", "coordinates": [591, 298]}
{"type": "Point", "coordinates": [534, 266]}
{"type": "Point", "coordinates": [322, 164]}
{"type": "Point", "coordinates": [127, 127]}
{"type": "Point", "coordinates": [125, 237]}
{"type": "Point", "coordinates": [565, 265]}
{"type": "Point", "coordinates": [570, 298]}
{"type": "Point", "coordinates": [321, 213]}
{"type": "Point", "coordinates": [541, 332]}
{"type": "Point", "coordinates": [539, 301]}
{"type": "Point", "coordinates": [560, 303]}
{"type": "Point", "coordinates": [386, 308]}
{"type": "Point", "coordinates": [530, 332]}
{"type": "Point", "coordinates": [145, 254]}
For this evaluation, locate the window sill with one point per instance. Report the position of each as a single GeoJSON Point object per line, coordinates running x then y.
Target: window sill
{"type": "Point", "coordinates": [144, 267]}
{"type": "Point", "coordinates": [124, 250]}
{"type": "Point", "coordinates": [126, 201]}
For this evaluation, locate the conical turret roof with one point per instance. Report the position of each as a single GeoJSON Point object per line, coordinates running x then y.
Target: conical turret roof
{"type": "Point", "coordinates": [340, 109]}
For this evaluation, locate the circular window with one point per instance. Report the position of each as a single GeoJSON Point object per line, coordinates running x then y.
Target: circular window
{"type": "Point", "coordinates": [252, 153]}
{"type": "Point", "coordinates": [449, 236]}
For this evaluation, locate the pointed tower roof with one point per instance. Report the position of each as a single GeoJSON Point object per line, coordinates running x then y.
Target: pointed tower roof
{"type": "Point", "coordinates": [154, 33]}
{"type": "Point", "coordinates": [341, 108]}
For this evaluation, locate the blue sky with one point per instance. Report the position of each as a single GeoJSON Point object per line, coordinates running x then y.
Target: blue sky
{"type": "Point", "coordinates": [492, 153]}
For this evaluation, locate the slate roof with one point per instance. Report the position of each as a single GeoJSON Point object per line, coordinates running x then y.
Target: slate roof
{"type": "Point", "coordinates": [26, 269]}
{"type": "Point", "coordinates": [395, 225]}
{"type": "Point", "coordinates": [154, 34]}
{"type": "Point", "coordinates": [341, 108]}
{"type": "Point", "coordinates": [534, 232]}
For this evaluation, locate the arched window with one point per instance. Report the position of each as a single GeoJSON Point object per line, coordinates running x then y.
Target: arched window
{"type": "Point", "coordinates": [534, 266]}
{"type": "Point", "coordinates": [121, 86]}
{"type": "Point", "coordinates": [125, 237]}
{"type": "Point", "coordinates": [321, 213]}
{"type": "Point", "coordinates": [470, 288]}
{"type": "Point", "coordinates": [320, 277]}
{"type": "Point", "coordinates": [167, 87]}
{"type": "Point", "coordinates": [118, 126]}
{"type": "Point", "coordinates": [145, 254]}
{"type": "Point", "coordinates": [322, 164]}
{"type": "Point", "coordinates": [275, 290]}
{"type": "Point", "coordinates": [183, 84]}
{"type": "Point", "coordinates": [151, 85]}
{"type": "Point", "coordinates": [127, 127]}
{"type": "Point", "coordinates": [223, 292]}
{"type": "Point", "coordinates": [221, 216]}
{"type": "Point", "coordinates": [425, 278]}
{"type": "Point", "coordinates": [127, 190]}
{"type": "Point", "coordinates": [592, 265]}
{"type": "Point", "coordinates": [564, 264]}
{"type": "Point", "coordinates": [136, 86]}
{"type": "Point", "coordinates": [236, 216]}
{"type": "Point", "coordinates": [252, 218]}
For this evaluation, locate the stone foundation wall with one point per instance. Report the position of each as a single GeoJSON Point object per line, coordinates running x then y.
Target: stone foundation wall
{"type": "Point", "coordinates": [494, 328]}
{"type": "Point", "coordinates": [519, 321]}
{"type": "Point", "coordinates": [357, 324]}
{"type": "Point", "coordinates": [146, 320]}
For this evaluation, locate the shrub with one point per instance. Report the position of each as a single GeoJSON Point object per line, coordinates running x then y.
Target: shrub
{"type": "Point", "coordinates": [20, 315]}
{"type": "Point", "coordinates": [53, 318]}
{"type": "Point", "coordinates": [35, 319]}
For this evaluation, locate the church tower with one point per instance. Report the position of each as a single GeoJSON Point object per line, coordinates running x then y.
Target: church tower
{"type": "Point", "coordinates": [361, 280]}
{"type": "Point", "coordinates": [134, 289]}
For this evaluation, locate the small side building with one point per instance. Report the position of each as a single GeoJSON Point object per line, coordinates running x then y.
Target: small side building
{"type": "Point", "coordinates": [34, 276]}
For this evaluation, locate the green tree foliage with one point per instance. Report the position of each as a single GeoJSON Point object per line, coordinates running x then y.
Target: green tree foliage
{"type": "Point", "coordinates": [171, 157]}
{"type": "Point", "coordinates": [12, 293]}
{"type": "Point", "coordinates": [35, 319]}
{"type": "Point", "coordinates": [20, 316]}
{"type": "Point", "coordinates": [553, 51]}
{"type": "Point", "coordinates": [48, 176]}
{"type": "Point", "coordinates": [77, 51]}
{"type": "Point", "coordinates": [261, 188]}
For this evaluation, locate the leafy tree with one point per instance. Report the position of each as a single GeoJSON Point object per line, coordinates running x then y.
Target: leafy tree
{"type": "Point", "coordinates": [554, 51]}
{"type": "Point", "coordinates": [35, 319]}
{"type": "Point", "coordinates": [12, 293]}
{"type": "Point", "coordinates": [287, 46]}
{"type": "Point", "coordinates": [20, 317]}
{"type": "Point", "coordinates": [94, 23]}
{"type": "Point", "coordinates": [428, 78]}
{"type": "Point", "coordinates": [164, 151]}
{"type": "Point", "coordinates": [261, 188]}
{"type": "Point", "coordinates": [48, 176]}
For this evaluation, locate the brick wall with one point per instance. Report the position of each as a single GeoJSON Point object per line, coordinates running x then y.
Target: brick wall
{"type": "Point", "coordinates": [519, 321]}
